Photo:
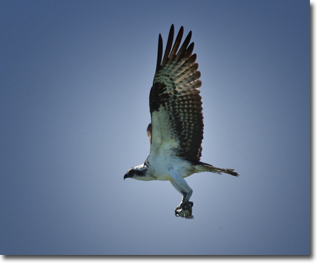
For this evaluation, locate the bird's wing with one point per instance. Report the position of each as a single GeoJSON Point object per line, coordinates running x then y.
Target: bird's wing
{"type": "Point", "coordinates": [175, 101]}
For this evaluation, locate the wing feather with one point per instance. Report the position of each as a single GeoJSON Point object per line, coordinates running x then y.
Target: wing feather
{"type": "Point", "coordinates": [175, 101]}
{"type": "Point", "coordinates": [176, 44]}
{"type": "Point", "coordinates": [169, 44]}
{"type": "Point", "coordinates": [159, 58]}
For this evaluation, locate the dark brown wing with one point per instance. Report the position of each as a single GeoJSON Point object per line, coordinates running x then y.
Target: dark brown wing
{"type": "Point", "coordinates": [175, 101]}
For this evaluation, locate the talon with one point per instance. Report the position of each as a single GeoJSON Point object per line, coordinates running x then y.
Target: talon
{"type": "Point", "coordinates": [187, 205]}
{"type": "Point", "coordinates": [177, 211]}
{"type": "Point", "coordinates": [184, 213]}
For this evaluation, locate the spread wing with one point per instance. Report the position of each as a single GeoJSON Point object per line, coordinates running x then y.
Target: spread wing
{"type": "Point", "coordinates": [175, 101]}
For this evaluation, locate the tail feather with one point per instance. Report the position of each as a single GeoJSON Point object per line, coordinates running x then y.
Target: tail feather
{"type": "Point", "coordinates": [204, 167]}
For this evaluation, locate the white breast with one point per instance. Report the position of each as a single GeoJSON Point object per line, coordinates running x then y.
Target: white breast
{"type": "Point", "coordinates": [160, 166]}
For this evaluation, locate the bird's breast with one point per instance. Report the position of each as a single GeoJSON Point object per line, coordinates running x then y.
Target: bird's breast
{"type": "Point", "coordinates": [161, 165]}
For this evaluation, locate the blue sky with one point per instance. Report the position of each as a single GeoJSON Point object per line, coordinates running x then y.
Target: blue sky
{"type": "Point", "coordinates": [74, 86]}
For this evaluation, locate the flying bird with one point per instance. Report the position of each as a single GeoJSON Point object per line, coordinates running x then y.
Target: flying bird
{"type": "Point", "coordinates": [176, 129]}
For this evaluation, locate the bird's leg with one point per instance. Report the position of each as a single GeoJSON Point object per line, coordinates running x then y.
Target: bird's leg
{"type": "Point", "coordinates": [185, 203]}
{"type": "Point", "coordinates": [185, 207]}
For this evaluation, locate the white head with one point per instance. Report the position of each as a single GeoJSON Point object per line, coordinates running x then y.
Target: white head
{"type": "Point", "coordinates": [139, 172]}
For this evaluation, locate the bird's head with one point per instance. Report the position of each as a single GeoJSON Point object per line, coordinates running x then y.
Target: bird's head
{"type": "Point", "coordinates": [137, 172]}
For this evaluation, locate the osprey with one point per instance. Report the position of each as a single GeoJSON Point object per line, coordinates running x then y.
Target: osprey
{"type": "Point", "coordinates": [176, 129]}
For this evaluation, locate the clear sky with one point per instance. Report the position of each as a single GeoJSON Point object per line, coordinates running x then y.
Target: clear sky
{"type": "Point", "coordinates": [75, 78]}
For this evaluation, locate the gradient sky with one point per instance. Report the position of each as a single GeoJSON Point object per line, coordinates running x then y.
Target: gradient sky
{"type": "Point", "coordinates": [75, 78]}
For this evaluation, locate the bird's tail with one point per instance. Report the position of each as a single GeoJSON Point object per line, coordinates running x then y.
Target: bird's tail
{"type": "Point", "coordinates": [204, 167]}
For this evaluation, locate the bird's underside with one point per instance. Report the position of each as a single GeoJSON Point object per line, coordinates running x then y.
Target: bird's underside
{"type": "Point", "coordinates": [176, 128]}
